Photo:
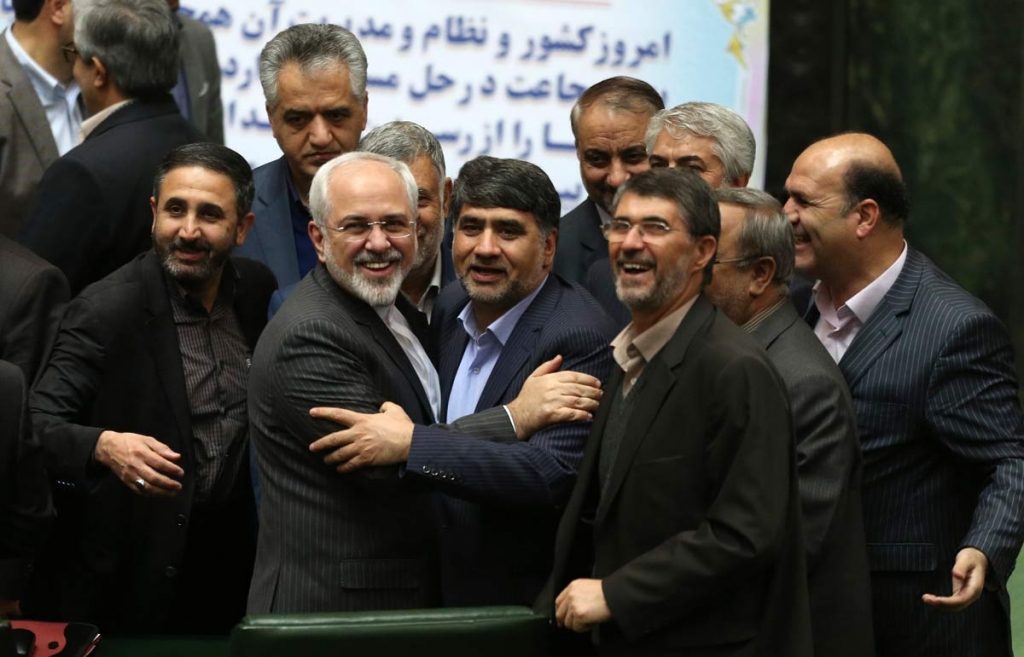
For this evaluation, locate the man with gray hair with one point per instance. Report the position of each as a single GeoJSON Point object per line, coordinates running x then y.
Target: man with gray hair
{"type": "Point", "coordinates": [711, 139]}
{"type": "Point", "coordinates": [92, 213]}
{"type": "Point", "coordinates": [752, 269]}
{"type": "Point", "coordinates": [314, 81]}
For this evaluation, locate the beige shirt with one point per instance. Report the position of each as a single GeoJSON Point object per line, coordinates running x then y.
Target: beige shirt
{"type": "Point", "coordinates": [96, 119]}
{"type": "Point", "coordinates": [632, 351]}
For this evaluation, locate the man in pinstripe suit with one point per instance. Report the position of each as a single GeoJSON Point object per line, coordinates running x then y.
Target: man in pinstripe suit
{"type": "Point", "coordinates": [930, 369]}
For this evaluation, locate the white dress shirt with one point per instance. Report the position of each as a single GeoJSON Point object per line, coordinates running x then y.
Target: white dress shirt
{"type": "Point", "coordinates": [425, 372]}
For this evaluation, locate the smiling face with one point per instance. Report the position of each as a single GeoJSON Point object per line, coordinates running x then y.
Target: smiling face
{"type": "Point", "coordinates": [195, 225]}
{"type": "Point", "coordinates": [317, 118]}
{"type": "Point", "coordinates": [500, 257]}
{"type": "Point", "coordinates": [433, 207]}
{"type": "Point", "coordinates": [371, 269]}
{"type": "Point", "coordinates": [610, 148]}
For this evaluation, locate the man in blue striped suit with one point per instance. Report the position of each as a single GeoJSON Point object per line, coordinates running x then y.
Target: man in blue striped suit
{"type": "Point", "coordinates": [930, 369]}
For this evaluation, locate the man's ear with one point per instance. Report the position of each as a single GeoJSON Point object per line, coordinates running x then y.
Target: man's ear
{"type": "Point", "coordinates": [706, 247]}
{"type": "Point", "coordinates": [868, 217]}
{"type": "Point", "coordinates": [446, 201]}
{"type": "Point", "coordinates": [101, 79]}
{"type": "Point", "coordinates": [244, 226]}
{"type": "Point", "coordinates": [550, 245]}
{"type": "Point", "coordinates": [763, 273]}
{"type": "Point", "coordinates": [316, 234]}
{"type": "Point", "coordinates": [152, 206]}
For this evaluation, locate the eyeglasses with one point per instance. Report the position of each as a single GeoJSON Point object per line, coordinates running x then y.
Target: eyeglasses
{"type": "Point", "coordinates": [740, 259]}
{"type": "Point", "coordinates": [651, 232]}
{"type": "Point", "coordinates": [357, 231]}
{"type": "Point", "coordinates": [70, 52]}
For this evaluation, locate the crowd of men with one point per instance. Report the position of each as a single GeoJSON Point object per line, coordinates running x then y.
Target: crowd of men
{"type": "Point", "coordinates": [343, 382]}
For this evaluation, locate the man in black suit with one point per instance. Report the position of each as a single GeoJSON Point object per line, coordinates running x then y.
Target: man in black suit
{"type": "Point", "coordinates": [688, 486]}
{"type": "Point", "coordinates": [92, 214]}
{"type": "Point", "coordinates": [753, 267]}
{"type": "Point", "coordinates": [508, 316]}
{"type": "Point", "coordinates": [32, 297]}
{"type": "Point", "coordinates": [142, 411]}
{"type": "Point", "coordinates": [931, 372]}
{"type": "Point", "coordinates": [608, 123]}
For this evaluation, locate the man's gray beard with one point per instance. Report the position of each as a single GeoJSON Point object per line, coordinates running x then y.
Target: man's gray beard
{"type": "Point", "coordinates": [651, 298]}
{"type": "Point", "coordinates": [380, 293]}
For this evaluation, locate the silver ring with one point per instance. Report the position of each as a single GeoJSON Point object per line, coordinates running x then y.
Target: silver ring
{"type": "Point", "coordinates": [140, 484]}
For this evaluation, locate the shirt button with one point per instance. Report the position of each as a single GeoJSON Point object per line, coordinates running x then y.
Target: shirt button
{"type": "Point", "coordinates": [476, 370]}
{"type": "Point", "coordinates": [170, 571]}
{"type": "Point", "coordinates": [181, 520]}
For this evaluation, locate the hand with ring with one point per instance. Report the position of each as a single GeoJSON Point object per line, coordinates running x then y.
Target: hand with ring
{"type": "Point", "coordinates": [143, 464]}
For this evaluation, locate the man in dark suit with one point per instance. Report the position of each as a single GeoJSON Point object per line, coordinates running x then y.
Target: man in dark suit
{"type": "Point", "coordinates": [142, 412]}
{"type": "Point", "coordinates": [32, 297]}
{"type": "Point", "coordinates": [753, 267]}
{"type": "Point", "coordinates": [688, 486]}
{"type": "Point", "coordinates": [608, 123]}
{"type": "Point", "coordinates": [92, 215]}
{"type": "Point", "coordinates": [197, 92]}
{"type": "Point", "coordinates": [314, 81]}
{"type": "Point", "coordinates": [930, 369]}
{"type": "Point", "coordinates": [26, 509]}
{"type": "Point", "coordinates": [507, 317]}
{"type": "Point", "coordinates": [37, 124]}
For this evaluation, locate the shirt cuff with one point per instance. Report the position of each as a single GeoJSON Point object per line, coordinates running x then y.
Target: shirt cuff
{"type": "Point", "coordinates": [511, 420]}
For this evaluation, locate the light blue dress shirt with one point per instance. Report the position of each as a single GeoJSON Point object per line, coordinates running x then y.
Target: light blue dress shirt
{"type": "Point", "coordinates": [481, 354]}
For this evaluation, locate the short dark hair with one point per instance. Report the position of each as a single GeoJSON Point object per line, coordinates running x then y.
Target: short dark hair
{"type": "Point", "coordinates": [883, 186]}
{"type": "Point", "coordinates": [621, 93]}
{"type": "Point", "coordinates": [692, 196]}
{"type": "Point", "coordinates": [491, 182]}
{"type": "Point", "coordinates": [27, 10]}
{"type": "Point", "coordinates": [137, 40]}
{"type": "Point", "coordinates": [216, 158]}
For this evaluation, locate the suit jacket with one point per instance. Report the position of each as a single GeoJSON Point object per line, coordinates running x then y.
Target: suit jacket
{"type": "Point", "coordinates": [26, 509]}
{"type": "Point", "coordinates": [202, 75]}
{"type": "Point", "coordinates": [331, 542]}
{"type": "Point", "coordinates": [116, 365]}
{"type": "Point", "coordinates": [27, 146]}
{"type": "Point", "coordinates": [271, 239]}
{"type": "Point", "coordinates": [33, 294]}
{"type": "Point", "coordinates": [696, 532]}
{"type": "Point", "coordinates": [933, 384]}
{"type": "Point", "coordinates": [503, 499]}
{"type": "Point", "coordinates": [580, 242]}
{"type": "Point", "coordinates": [829, 471]}
{"type": "Point", "coordinates": [93, 212]}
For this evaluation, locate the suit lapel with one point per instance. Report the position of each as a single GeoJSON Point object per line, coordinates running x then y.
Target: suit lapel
{"type": "Point", "coordinates": [451, 344]}
{"type": "Point", "coordinates": [885, 324]}
{"type": "Point", "coordinates": [775, 325]}
{"type": "Point", "coordinates": [517, 351]}
{"type": "Point", "coordinates": [273, 227]}
{"type": "Point", "coordinates": [26, 105]}
{"type": "Point", "coordinates": [591, 239]}
{"type": "Point", "coordinates": [162, 340]}
{"type": "Point", "coordinates": [656, 381]}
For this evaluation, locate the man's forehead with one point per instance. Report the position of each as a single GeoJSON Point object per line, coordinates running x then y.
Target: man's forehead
{"type": "Point", "coordinates": [602, 120]}
{"type": "Point", "coordinates": [495, 214]}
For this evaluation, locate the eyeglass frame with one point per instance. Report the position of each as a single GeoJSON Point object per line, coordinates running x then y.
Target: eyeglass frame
{"type": "Point", "coordinates": [370, 224]}
{"type": "Point", "coordinates": [606, 229]}
{"type": "Point", "coordinates": [756, 256]}
{"type": "Point", "coordinates": [69, 52]}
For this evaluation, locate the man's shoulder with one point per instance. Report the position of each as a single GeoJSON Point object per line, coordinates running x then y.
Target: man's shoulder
{"type": "Point", "coordinates": [21, 265]}
{"type": "Point", "coordinates": [580, 218]}
{"type": "Point", "coordinates": [567, 305]}
{"type": "Point", "coordinates": [271, 171]}
{"type": "Point", "coordinates": [254, 275]}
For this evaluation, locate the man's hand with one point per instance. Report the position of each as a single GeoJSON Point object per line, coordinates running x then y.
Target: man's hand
{"type": "Point", "coordinates": [10, 609]}
{"type": "Point", "coordinates": [968, 581]}
{"type": "Point", "coordinates": [371, 439]}
{"type": "Point", "coordinates": [550, 397]}
{"type": "Point", "coordinates": [581, 605]}
{"type": "Point", "coordinates": [134, 458]}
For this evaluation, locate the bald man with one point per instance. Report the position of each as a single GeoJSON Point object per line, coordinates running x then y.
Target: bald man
{"type": "Point", "coordinates": [930, 369]}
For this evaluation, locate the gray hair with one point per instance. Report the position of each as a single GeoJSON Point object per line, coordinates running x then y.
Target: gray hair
{"type": "Point", "coordinates": [766, 231]}
{"type": "Point", "coordinates": [320, 200]}
{"type": "Point", "coordinates": [622, 94]}
{"type": "Point", "coordinates": [407, 142]}
{"type": "Point", "coordinates": [733, 140]}
{"type": "Point", "coordinates": [137, 41]}
{"type": "Point", "coordinates": [314, 47]}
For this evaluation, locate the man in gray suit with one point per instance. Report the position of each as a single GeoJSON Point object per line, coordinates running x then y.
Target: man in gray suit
{"type": "Point", "coordinates": [40, 113]}
{"type": "Point", "coordinates": [197, 92]}
{"type": "Point", "coordinates": [931, 373]}
{"type": "Point", "coordinates": [314, 80]}
{"type": "Point", "coordinates": [753, 267]}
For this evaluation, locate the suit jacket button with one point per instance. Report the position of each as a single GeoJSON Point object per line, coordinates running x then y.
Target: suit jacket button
{"type": "Point", "coordinates": [181, 520]}
{"type": "Point", "coordinates": [170, 571]}
{"type": "Point", "coordinates": [425, 469]}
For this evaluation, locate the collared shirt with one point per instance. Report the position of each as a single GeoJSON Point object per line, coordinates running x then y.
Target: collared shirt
{"type": "Point", "coordinates": [417, 355]}
{"type": "Point", "coordinates": [633, 351]}
{"type": "Point", "coordinates": [606, 218]}
{"type": "Point", "coordinates": [215, 360]}
{"type": "Point", "coordinates": [305, 253]}
{"type": "Point", "coordinates": [426, 303]}
{"type": "Point", "coordinates": [59, 101]}
{"type": "Point", "coordinates": [96, 119]}
{"type": "Point", "coordinates": [751, 324]}
{"type": "Point", "coordinates": [481, 355]}
{"type": "Point", "coordinates": [836, 328]}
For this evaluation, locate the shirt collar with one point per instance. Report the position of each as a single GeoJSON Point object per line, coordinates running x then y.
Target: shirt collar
{"type": "Point", "coordinates": [751, 324]}
{"type": "Point", "coordinates": [502, 327]}
{"type": "Point", "coordinates": [383, 312]}
{"type": "Point", "coordinates": [96, 119]}
{"type": "Point", "coordinates": [863, 304]}
{"type": "Point", "coordinates": [651, 341]}
{"type": "Point", "coordinates": [603, 214]}
{"type": "Point", "coordinates": [45, 85]}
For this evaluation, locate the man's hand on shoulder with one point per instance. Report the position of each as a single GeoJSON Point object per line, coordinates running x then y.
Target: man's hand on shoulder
{"type": "Point", "coordinates": [968, 581]}
{"type": "Point", "coordinates": [582, 604]}
{"type": "Point", "coordinates": [371, 438]}
{"type": "Point", "coordinates": [143, 464]}
{"type": "Point", "coordinates": [549, 396]}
